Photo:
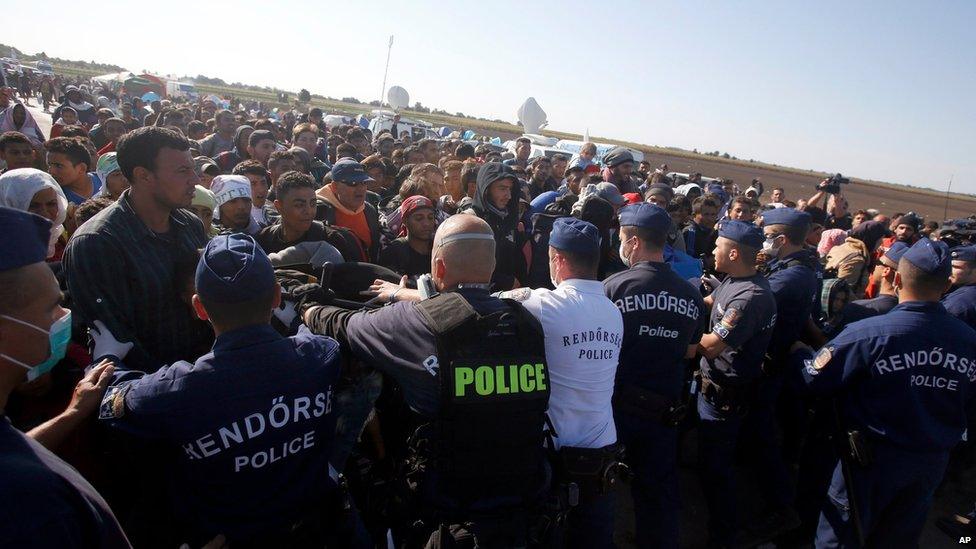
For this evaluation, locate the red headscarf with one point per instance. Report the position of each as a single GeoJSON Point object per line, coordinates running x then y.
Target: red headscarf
{"type": "Point", "coordinates": [408, 206]}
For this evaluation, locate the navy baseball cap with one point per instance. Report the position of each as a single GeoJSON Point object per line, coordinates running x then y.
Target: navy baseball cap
{"type": "Point", "coordinates": [930, 256]}
{"type": "Point", "coordinates": [744, 233]}
{"type": "Point", "coordinates": [964, 253]}
{"type": "Point", "coordinates": [233, 269]}
{"type": "Point", "coordinates": [894, 253]}
{"type": "Point", "coordinates": [646, 215]}
{"type": "Point", "coordinates": [494, 171]}
{"type": "Point", "coordinates": [25, 238]}
{"type": "Point", "coordinates": [575, 235]}
{"type": "Point", "coordinates": [348, 170]}
{"type": "Point", "coordinates": [786, 216]}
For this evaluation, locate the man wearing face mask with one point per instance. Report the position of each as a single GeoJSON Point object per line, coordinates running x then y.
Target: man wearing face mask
{"type": "Point", "coordinates": [657, 342]}
{"type": "Point", "coordinates": [791, 270]}
{"type": "Point", "coordinates": [45, 503]}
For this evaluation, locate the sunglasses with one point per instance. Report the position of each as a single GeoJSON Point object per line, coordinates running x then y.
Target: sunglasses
{"type": "Point", "coordinates": [353, 184]}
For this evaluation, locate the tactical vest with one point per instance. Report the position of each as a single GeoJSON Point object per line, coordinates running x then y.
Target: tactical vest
{"type": "Point", "coordinates": [486, 447]}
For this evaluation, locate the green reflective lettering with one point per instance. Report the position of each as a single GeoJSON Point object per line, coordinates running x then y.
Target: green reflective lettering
{"type": "Point", "coordinates": [484, 380]}
{"type": "Point", "coordinates": [501, 387]}
{"type": "Point", "coordinates": [526, 374]}
{"type": "Point", "coordinates": [513, 377]}
{"type": "Point", "coordinates": [462, 378]}
{"type": "Point", "coordinates": [540, 377]}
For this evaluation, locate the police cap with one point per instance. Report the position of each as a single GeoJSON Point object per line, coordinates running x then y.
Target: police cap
{"type": "Point", "coordinates": [894, 253]}
{"type": "Point", "coordinates": [645, 215]}
{"type": "Point", "coordinates": [233, 269]}
{"type": "Point", "coordinates": [786, 216]}
{"type": "Point", "coordinates": [964, 253]}
{"type": "Point", "coordinates": [744, 233]}
{"type": "Point", "coordinates": [25, 238]}
{"type": "Point", "coordinates": [930, 256]}
{"type": "Point", "coordinates": [575, 235]}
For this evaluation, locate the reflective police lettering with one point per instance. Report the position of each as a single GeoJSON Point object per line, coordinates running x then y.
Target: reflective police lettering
{"type": "Point", "coordinates": [658, 302]}
{"type": "Point", "coordinates": [275, 453]}
{"type": "Point", "coordinates": [279, 414]}
{"type": "Point", "coordinates": [590, 336]}
{"type": "Point", "coordinates": [935, 382]}
{"type": "Point", "coordinates": [498, 380]}
{"type": "Point", "coordinates": [657, 331]}
{"type": "Point", "coordinates": [922, 358]}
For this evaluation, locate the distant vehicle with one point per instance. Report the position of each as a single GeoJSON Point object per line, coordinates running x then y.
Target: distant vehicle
{"type": "Point", "coordinates": [333, 120]}
{"type": "Point", "coordinates": [541, 146]}
{"type": "Point", "coordinates": [682, 178]}
{"type": "Point", "coordinates": [573, 147]}
{"type": "Point", "coordinates": [181, 89]}
{"type": "Point", "coordinates": [10, 65]}
{"type": "Point", "coordinates": [383, 121]}
{"type": "Point", "coordinates": [44, 68]}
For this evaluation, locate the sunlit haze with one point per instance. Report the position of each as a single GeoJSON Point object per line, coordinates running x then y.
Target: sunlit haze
{"type": "Point", "coordinates": [878, 90]}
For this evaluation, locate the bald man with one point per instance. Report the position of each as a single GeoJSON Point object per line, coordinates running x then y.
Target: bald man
{"type": "Point", "coordinates": [472, 367]}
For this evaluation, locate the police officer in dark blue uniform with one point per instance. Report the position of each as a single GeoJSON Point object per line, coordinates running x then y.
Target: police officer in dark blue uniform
{"type": "Point", "coordinates": [792, 275]}
{"type": "Point", "coordinates": [473, 369]}
{"type": "Point", "coordinates": [663, 320]}
{"type": "Point", "coordinates": [248, 426]}
{"type": "Point", "coordinates": [44, 502]}
{"type": "Point", "coordinates": [741, 321]}
{"type": "Point", "coordinates": [904, 383]}
{"type": "Point", "coordinates": [961, 301]}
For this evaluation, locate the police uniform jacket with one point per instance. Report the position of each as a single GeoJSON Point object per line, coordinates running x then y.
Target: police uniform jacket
{"type": "Point", "coordinates": [793, 280]}
{"type": "Point", "coordinates": [906, 377]}
{"type": "Point", "coordinates": [248, 426]}
{"type": "Point", "coordinates": [961, 303]}
{"type": "Point", "coordinates": [662, 316]}
{"type": "Point", "coordinates": [743, 315]}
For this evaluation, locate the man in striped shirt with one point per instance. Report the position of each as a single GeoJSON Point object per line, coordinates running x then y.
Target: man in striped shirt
{"type": "Point", "coordinates": [131, 266]}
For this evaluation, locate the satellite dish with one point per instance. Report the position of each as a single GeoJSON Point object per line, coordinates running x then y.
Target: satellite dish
{"type": "Point", "coordinates": [397, 97]}
{"type": "Point", "coordinates": [532, 117]}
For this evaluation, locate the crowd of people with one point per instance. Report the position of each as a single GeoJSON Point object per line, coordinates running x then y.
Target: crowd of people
{"type": "Point", "coordinates": [242, 327]}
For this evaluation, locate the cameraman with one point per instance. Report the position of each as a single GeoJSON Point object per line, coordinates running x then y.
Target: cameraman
{"type": "Point", "coordinates": [837, 215]}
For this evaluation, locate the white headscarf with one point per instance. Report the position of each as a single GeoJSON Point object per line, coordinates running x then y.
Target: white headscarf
{"type": "Point", "coordinates": [228, 187]}
{"type": "Point", "coordinates": [17, 189]}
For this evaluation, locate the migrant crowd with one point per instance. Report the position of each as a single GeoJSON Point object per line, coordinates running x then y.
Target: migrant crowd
{"type": "Point", "coordinates": [244, 327]}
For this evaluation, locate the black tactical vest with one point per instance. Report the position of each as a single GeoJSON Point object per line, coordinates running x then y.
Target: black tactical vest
{"type": "Point", "coordinates": [487, 441]}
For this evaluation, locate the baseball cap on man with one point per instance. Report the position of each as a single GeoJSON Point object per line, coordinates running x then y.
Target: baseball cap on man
{"type": "Point", "coordinates": [349, 171]}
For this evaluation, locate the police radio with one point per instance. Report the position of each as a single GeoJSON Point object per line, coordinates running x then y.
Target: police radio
{"type": "Point", "coordinates": [425, 285]}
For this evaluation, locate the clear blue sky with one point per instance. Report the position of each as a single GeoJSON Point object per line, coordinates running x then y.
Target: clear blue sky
{"type": "Point", "coordinates": [881, 90]}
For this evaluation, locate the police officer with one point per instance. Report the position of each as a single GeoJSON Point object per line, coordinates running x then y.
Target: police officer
{"type": "Point", "coordinates": [903, 383]}
{"type": "Point", "coordinates": [663, 317]}
{"type": "Point", "coordinates": [791, 269]}
{"type": "Point", "coordinates": [961, 301]}
{"type": "Point", "coordinates": [473, 369]}
{"type": "Point", "coordinates": [45, 502]}
{"type": "Point", "coordinates": [584, 332]}
{"type": "Point", "coordinates": [249, 426]}
{"type": "Point", "coordinates": [742, 318]}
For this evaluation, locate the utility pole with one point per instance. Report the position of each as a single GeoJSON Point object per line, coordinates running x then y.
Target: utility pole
{"type": "Point", "coordinates": [386, 70]}
{"type": "Point", "coordinates": [945, 212]}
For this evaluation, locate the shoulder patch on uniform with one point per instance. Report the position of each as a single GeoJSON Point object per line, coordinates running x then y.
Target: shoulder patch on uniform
{"type": "Point", "coordinates": [518, 294]}
{"type": "Point", "coordinates": [822, 358]}
{"type": "Point", "coordinates": [731, 317]}
{"type": "Point", "coordinates": [113, 403]}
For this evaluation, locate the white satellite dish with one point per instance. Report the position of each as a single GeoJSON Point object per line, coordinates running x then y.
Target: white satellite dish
{"type": "Point", "coordinates": [532, 117]}
{"type": "Point", "coordinates": [398, 98]}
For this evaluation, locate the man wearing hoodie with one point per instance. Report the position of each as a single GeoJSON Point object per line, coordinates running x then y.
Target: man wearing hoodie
{"type": "Point", "coordinates": [228, 159]}
{"type": "Point", "coordinates": [342, 203]}
{"type": "Point", "coordinates": [496, 201]}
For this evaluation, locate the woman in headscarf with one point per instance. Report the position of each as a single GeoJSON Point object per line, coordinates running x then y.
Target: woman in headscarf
{"type": "Point", "coordinates": [18, 119]}
{"type": "Point", "coordinates": [34, 191]}
{"type": "Point", "coordinates": [851, 260]}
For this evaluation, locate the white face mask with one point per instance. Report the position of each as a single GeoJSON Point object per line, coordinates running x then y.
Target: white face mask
{"type": "Point", "coordinates": [620, 252]}
{"type": "Point", "coordinates": [770, 248]}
